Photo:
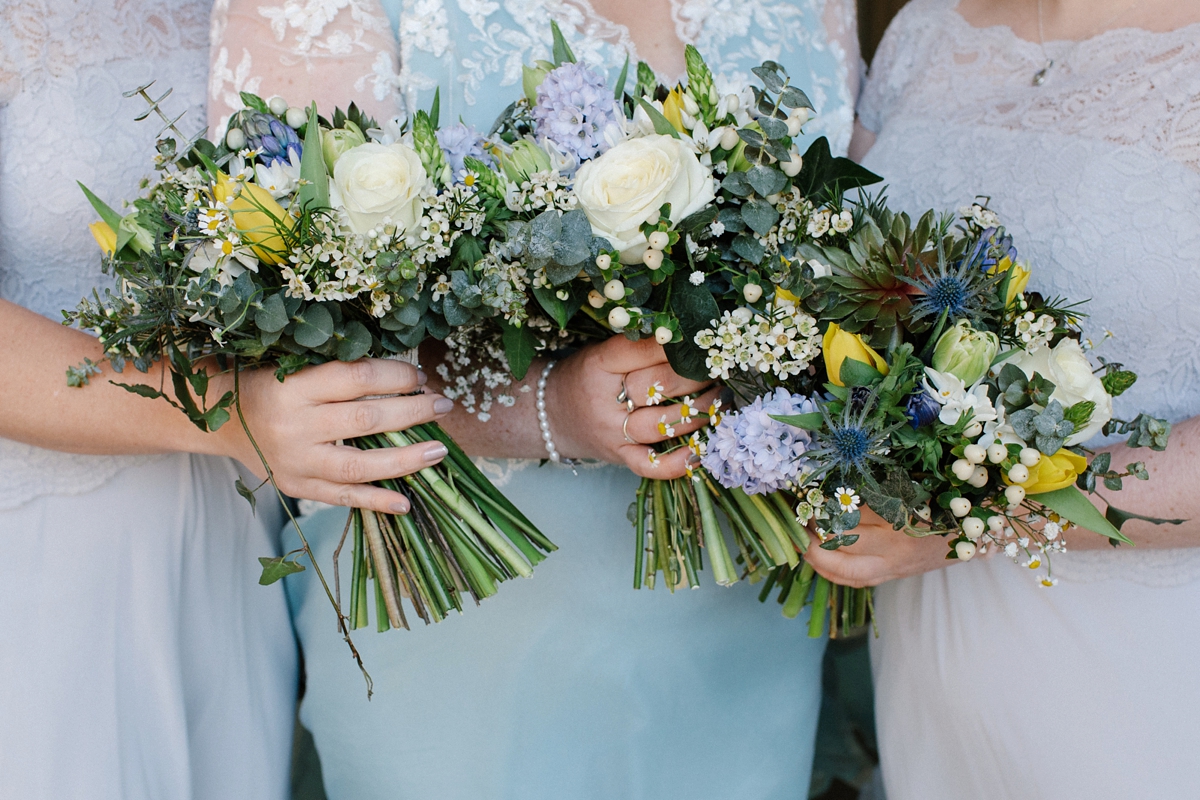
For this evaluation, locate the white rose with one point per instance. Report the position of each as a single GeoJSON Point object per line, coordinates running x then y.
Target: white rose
{"type": "Point", "coordinates": [627, 185]}
{"type": "Point", "coordinates": [1069, 370]}
{"type": "Point", "coordinates": [377, 181]}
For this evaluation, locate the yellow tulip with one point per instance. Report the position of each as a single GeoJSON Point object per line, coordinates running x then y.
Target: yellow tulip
{"type": "Point", "coordinates": [672, 107]}
{"type": "Point", "coordinates": [1054, 472]}
{"type": "Point", "coordinates": [257, 218]}
{"type": "Point", "coordinates": [105, 236]}
{"type": "Point", "coordinates": [1018, 281]}
{"type": "Point", "coordinates": [839, 345]}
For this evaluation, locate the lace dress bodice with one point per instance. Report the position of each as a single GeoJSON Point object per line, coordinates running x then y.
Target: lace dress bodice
{"type": "Point", "coordinates": [63, 67]}
{"type": "Point", "coordinates": [1096, 173]}
{"type": "Point", "coordinates": [474, 49]}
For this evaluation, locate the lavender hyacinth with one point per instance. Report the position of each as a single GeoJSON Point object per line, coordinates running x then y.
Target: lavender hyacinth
{"type": "Point", "coordinates": [759, 454]}
{"type": "Point", "coordinates": [574, 107]}
{"type": "Point", "coordinates": [459, 141]}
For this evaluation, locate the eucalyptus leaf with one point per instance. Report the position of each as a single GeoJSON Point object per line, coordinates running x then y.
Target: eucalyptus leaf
{"type": "Point", "coordinates": [749, 248]}
{"type": "Point", "coordinates": [765, 180]}
{"type": "Point", "coordinates": [354, 343]}
{"type": "Point", "coordinates": [272, 315]}
{"type": "Point", "coordinates": [794, 98]}
{"type": "Point", "coordinates": [314, 326]}
{"type": "Point", "coordinates": [773, 128]}
{"type": "Point", "coordinates": [760, 215]}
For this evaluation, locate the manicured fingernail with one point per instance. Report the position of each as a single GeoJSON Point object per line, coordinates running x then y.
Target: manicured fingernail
{"type": "Point", "coordinates": [693, 460]}
{"type": "Point", "coordinates": [399, 507]}
{"type": "Point", "coordinates": [436, 453]}
{"type": "Point", "coordinates": [422, 378]}
{"type": "Point", "coordinates": [726, 396]}
{"type": "Point", "coordinates": [443, 405]}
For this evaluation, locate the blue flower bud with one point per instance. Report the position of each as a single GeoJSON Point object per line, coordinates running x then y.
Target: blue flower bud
{"type": "Point", "coordinates": [922, 409]}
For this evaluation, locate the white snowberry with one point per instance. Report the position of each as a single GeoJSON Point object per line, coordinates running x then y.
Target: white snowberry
{"type": "Point", "coordinates": [295, 117]}
{"type": "Point", "coordinates": [973, 527]}
{"type": "Point", "coordinates": [614, 290]}
{"type": "Point", "coordinates": [618, 318]}
{"type": "Point", "coordinates": [979, 477]}
{"type": "Point", "coordinates": [1030, 457]}
{"type": "Point", "coordinates": [1019, 473]}
{"type": "Point", "coordinates": [1014, 495]}
{"type": "Point", "coordinates": [960, 506]}
{"type": "Point", "coordinates": [962, 469]}
{"type": "Point", "coordinates": [974, 453]}
{"type": "Point", "coordinates": [997, 453]}
{"type": "Point", "coordinates": [278, 106]}
{"type": "Point", "coordinates": [752, 292]}
{"type": "Point", "coordinates": [659, 240]}
{"type": "Point", "coordinates": [965, 550]}
{"type": "Point", "coordinates": [235, 140]}
{"type": "Point", "coordinates": [604, 261]}
{"type": "Point", "coordinates": [663, 334]}
{"type": "Point", "coordinates": [595, 299]}
{"type": "Point", "coordinates": [652, 258]}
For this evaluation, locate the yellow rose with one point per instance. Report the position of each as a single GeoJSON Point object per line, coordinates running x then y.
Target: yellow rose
{"type": "Point", "coordinates": [1053, 472]}
{"type": "Point", "coordinates": [257, 218]}
{"type": "Point", "coordinates": [839, 345]}
{"type": "Point", "coordinates": [1018, 282]}
{"type": "Point", "coordinates": [105, 236]}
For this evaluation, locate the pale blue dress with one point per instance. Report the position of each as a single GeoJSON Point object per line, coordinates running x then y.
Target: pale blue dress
{"type": "Point", "coordinates": [571, 684]}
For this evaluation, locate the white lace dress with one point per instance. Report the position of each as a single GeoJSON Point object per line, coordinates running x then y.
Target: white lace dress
{"type": "Point", "coordinates": [988, 686]}
{"type": "Point", "coordinates": [139, 659]}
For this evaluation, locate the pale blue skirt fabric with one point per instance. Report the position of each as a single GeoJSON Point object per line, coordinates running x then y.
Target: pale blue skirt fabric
{"type": "Point", "coordinates": [568, 685]}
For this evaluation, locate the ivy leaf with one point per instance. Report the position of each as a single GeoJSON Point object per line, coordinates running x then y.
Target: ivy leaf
{"type": "Point", "coordinates": [519, 347]}
{"type": "Point", "coordinates": [276, 568]}
{"type": "Point", "coordinates": [248, 493]}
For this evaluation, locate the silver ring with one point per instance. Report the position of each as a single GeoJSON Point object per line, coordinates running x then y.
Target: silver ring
{"type": "Point", "coordinates": [625, 430]}
{"type": "Point", "coordinates": [624, 399]}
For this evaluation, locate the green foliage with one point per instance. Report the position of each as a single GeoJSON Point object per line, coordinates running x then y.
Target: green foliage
{"type": "Point", "coordinates": [276, 568]}
{"type": "Point", "coordinates": [519, 348]}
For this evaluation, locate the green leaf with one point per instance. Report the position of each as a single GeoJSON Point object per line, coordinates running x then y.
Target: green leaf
{"type": "Point", "coordinates": [1100, 463]}
{"type": "Point", "coordinates": [773, 128]}
{"type": "Point", "coordinates": [857, 373]}
{"type": "Point", "coordinates": [103, 209]}
{"type": "Point", "coordinates": [661, 125]}
{"type": "Point", "coordinates": [254, 103]}
{"type": "Point", "coordinates": [562, 50]}
{"type": "Point", "coordinates": [314, 326]}
{"type": "Point", "coordinates": [519, 348]}
{"type": "Point", "coordinates": [822, 176]}
{"type": "Point", "coordinates": [1119, 517]}
{"type": "Point", "coordinates": [765, 180]}
{"type": "Point", "coordinates": [276, 568]}
{"type": "Point", "coordinates": [272, 316]}
{"type": "Point", "coordinates": [248, 493]}
{"type": "Point", "coordinates": [760, 215]}
{"type": "Point", "coordinates": [1072, 504]}
{"type": "Point", "coordinates": [794, 98]}
{"type": "Point", "coordinates": [809, 422]}
{"type": "Point", "coordinates": [620, 90]}
{"type": "Point", "coordinates": [314, 191]}
{"type": "Point", "coordinates": [435, 110]}
{"type": "Point", "coordinates": [841, 540]}
{"type": "Point", "coordinates": [355, 342]}
{"type": "Point", "coordinates": [141, 389]}
{"type": "Point", "coordinates": [696, 309]}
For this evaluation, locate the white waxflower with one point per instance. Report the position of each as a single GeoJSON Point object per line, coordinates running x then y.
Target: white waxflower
{"type": "Point", "coordinates": [696, 278]}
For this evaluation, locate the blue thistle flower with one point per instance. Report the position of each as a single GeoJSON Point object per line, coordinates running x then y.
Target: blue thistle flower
{"type": "Point", "coordinates": [956, 291]}
{"type": "Point", "coordinates": [574, 106]}
{"type": "Point", "coordinates": [851, 444]}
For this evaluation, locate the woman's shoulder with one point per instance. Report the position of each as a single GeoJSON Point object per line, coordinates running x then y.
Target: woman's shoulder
{"type": "Point", "coordinates": [906, 44]}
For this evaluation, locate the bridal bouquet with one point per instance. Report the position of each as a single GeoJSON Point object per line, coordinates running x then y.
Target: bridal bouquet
{"type": "Point", "coordinates": [296, 240]}
{"type": "Point", "coordinates": [873, 360]}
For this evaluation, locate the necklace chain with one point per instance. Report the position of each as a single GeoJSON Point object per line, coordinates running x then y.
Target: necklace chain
{"type": "Point", "coordinates": [1043, 74]}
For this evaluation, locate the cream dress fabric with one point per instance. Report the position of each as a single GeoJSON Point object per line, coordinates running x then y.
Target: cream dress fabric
{"type": "Point", "coordinates": [987, 685]}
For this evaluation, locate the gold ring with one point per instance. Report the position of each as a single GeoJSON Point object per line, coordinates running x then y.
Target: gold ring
{"type": "Point", "coordinates": [625, 430]}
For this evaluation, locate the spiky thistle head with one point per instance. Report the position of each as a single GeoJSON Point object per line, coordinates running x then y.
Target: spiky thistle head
{"type": "Point", "coordinates": [956, 288]}
{"type": "Point", "coordinates": [850, 443]}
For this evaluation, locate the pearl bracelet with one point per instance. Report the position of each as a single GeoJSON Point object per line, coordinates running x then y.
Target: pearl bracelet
{"type": "Point", "coordinates": [544, 417]}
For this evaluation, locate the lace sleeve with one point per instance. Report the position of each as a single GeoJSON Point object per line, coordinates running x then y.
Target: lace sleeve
{"type": "Point", "coordinates": [841, 26]}
{"type": "Point", "coordinates": [891, 67]}
{"type": "Point", "coordinates": [330, 51]}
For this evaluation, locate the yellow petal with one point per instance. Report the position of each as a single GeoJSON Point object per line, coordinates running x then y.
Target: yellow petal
{"type": "Point", "coordinates": [257, 217]}
{"type": "Point", "coordinates": [105, 236]}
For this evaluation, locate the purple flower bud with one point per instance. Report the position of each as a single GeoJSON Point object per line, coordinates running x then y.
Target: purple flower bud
{"type": "Point", "coordinates": [922, 409]}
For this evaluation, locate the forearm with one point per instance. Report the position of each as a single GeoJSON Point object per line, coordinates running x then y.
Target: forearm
{"type": "Point", "coordinates": [1173, 492]}
{"type": "Point", "coordinates": [510, 432]}
{"type": "Point", "coordinates": [37, 406]}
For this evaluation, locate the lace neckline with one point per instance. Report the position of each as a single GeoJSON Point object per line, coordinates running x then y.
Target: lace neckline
{"type": "Point", "coordinates": [1006, 32]}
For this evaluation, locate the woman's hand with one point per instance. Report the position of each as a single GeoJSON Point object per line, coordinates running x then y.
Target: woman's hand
{"type": "Point", "coordinates": [297, 424]}
{"type": "Point", "coordinates": [881, 554]}
{"type": "Point", "coordinates": [588, 421]}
